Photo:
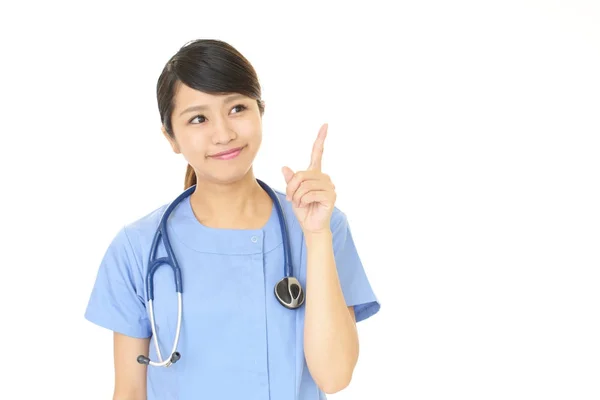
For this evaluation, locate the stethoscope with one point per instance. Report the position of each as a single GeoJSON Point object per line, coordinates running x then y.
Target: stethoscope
{"type": "Point", "coordinates": [288, 290]}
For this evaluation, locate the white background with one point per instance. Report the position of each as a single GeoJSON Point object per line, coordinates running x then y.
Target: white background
{"type": "Point", "coordinates": [463, 142]}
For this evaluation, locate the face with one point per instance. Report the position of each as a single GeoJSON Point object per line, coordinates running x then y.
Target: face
{"type": "Point", "coordinates": [218, 135]}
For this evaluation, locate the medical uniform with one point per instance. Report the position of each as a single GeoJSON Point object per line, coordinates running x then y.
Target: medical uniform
{"type": "Point", "coordinates": [237, 341]}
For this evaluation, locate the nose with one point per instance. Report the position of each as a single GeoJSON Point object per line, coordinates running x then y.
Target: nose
{"type": "Point", "coordinates": [223, 133]}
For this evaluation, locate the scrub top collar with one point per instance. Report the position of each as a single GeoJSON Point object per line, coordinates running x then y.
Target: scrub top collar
{"type": "Point", "coordinates": [196, 236]}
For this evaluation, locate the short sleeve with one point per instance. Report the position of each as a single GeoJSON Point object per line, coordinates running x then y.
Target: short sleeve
{"type": "Point", "coordinates": [351, 273]}
{"type": "Point", "coordinates": [117, 300]}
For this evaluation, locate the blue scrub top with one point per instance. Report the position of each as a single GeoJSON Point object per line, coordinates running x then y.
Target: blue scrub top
{"type": "Point", "coordinates": [237, 341]}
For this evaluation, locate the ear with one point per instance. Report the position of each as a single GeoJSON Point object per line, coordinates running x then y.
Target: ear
{"type": "Point", "coordinates": [171, 140]}
{"type": "Point", "coordinates": [263, 104]}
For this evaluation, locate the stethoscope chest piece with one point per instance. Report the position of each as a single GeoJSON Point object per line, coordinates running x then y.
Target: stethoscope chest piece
{"type": "Point", "coordinates": [289, 293]}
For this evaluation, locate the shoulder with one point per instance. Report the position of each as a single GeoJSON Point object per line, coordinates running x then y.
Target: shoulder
{"type": "Point", "coordinates": [147, 222]}
{"type": "Point", "coordinates": [145, 226]}
{"type": "Point", "coordinates": [339, 220]}
{"type": "Point", "coordinates": [134, 234]}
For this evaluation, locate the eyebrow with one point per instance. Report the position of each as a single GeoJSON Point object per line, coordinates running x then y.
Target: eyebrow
{"type": "Point", "coordinates": [200, 108]}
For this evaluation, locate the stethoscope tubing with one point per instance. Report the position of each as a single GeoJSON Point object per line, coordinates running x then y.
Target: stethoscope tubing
{"type": "Point", "coordinates": [154, 263]}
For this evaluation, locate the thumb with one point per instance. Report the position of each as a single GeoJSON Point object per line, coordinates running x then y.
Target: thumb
{"type": "Point", "coordinates": [288, 174]}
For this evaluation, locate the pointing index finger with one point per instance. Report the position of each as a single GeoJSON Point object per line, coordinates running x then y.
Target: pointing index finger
{"type": "Point", "coordinates": [317, 151]}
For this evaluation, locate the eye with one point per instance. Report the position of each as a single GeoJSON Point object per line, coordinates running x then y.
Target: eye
{"type": "Point", "coordinates": [197, 116]}
{"type": "Point", "coordinates": [241, 107]}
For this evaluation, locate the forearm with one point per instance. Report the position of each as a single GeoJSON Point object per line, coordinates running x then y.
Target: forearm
{"type": "Point", "coordinates": [330, 336]}
{"type": "Point", "coordinates": [129, 394]}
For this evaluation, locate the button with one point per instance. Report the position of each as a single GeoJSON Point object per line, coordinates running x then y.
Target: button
{"type": "Point", "coordinates": [254, 239]}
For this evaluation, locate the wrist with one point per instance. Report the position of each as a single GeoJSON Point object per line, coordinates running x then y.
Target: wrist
{"type": "Point", "coordinates": [312, 237]}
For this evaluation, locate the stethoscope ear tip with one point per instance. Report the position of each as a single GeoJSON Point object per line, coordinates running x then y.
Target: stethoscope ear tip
{"type": "Point", "coordinates": [143, 360]}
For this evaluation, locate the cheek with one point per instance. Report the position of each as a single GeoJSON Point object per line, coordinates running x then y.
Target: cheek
{"type": "Point", "coordinates": [193, 144]}
{"type": "Point", "coordinates": [249, 130]}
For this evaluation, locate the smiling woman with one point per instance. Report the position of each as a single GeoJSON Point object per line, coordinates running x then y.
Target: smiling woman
{"type": "Point", "coordinates": [209, 100]}
{"type": "Point", "coordinates": [205, 126]}
{"type": "Point", "coordinates": [229, 238]}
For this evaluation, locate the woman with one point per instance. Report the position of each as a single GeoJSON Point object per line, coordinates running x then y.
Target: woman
{"type": "Point", "coordinates": [238, 336]}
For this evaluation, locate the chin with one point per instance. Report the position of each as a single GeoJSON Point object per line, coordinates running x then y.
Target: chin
{"type": "Point", "coordinates": [227, 177]}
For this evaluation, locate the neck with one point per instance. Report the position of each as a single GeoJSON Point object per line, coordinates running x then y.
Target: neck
{"type": "Point", "coordinates": [240, 204]}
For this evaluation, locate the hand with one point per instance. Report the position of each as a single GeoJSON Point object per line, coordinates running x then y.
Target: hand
{"type": "Point", "coordinates": [311, 192]}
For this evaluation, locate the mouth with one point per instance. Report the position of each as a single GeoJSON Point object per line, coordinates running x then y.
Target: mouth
{"type": "Point", "coordinates": [228, 154]}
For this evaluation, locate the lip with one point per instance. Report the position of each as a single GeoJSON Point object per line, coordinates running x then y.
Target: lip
{"type": "Point", "coordinates": [228, 154]}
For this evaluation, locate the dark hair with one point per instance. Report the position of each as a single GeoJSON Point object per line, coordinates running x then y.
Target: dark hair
{"type": "Point", "coordinates": [208, 65]}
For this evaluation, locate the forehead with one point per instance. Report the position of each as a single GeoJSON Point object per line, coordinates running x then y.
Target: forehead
{"type": "Point", "coordinates": [186, 96]}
